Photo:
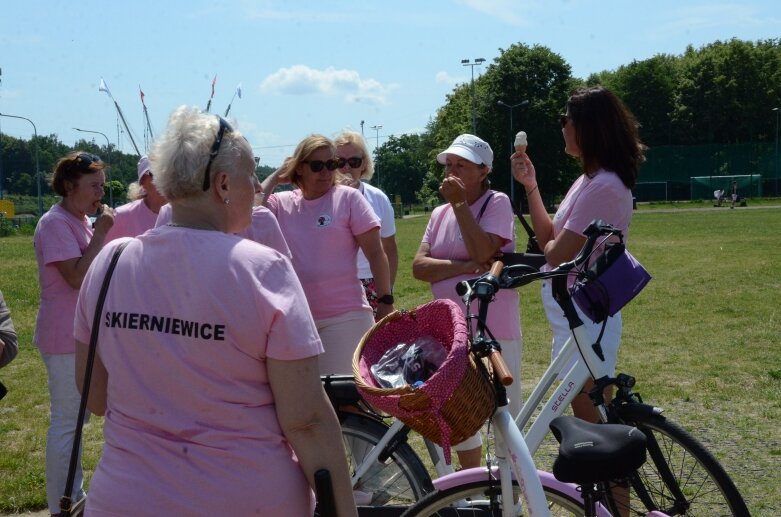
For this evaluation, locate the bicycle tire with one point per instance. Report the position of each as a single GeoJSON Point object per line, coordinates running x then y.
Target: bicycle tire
{"type": "Point", "coordinates": [680, 476]}
{"type": "Point", "coordinates": [475, 499]}
{"type": "Point", "coordinates": [401, 480]}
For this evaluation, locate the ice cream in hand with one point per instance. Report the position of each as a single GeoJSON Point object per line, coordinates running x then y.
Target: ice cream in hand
{"type": "Point", "coordinates": [521, 142]}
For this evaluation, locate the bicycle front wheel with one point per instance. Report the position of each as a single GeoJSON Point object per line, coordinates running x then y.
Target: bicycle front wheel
{"type": "Point", "coordinates": [400, 480]}
{"type": "Point", "coordinates": [484, 498]}
{"type": "Point", "coordinates": [680, 476]}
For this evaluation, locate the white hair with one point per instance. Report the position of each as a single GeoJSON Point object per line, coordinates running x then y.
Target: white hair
{"type": "Point", "coordinates": [180, 155]}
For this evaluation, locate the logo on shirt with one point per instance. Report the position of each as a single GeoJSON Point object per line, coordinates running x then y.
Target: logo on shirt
{"type": "Point", "coordinates": [323, 221]}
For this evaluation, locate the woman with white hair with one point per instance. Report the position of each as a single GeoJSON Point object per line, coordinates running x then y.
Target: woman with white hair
{"type": "Point", "coordinates": [461, 240]}
{"type": "Point", "coordinates": [206, 351]}
{"type": "Point", "coordinates": [140, 213]}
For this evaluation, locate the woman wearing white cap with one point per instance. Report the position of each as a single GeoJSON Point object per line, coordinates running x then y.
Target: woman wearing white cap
{"type": "Point", "coordinates": [461, 240]}
{"type": "Point", "coordinates": [136, 217]}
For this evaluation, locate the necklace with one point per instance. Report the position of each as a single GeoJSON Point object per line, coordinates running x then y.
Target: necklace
{"type": "Point", "coordinates": [191, 227]}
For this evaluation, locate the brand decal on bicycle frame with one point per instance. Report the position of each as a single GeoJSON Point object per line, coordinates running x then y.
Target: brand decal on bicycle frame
{"type": "Point", "coordinates": [562, 396]}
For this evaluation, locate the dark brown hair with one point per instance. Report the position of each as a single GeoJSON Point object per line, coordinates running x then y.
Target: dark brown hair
{"type": "Point", "coordinates": [606, 133]}
{"type": "Point", "coordinates": [71, 167]}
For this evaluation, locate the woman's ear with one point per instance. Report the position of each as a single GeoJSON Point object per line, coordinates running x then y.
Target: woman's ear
{"type": "Point", "coordinates": [223, 183]}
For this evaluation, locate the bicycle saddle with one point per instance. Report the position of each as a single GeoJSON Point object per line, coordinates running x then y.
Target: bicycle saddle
{"type": "Point", "coordinates": [590, 453]}
{"type": "Point", "coordinates": [341, 389]}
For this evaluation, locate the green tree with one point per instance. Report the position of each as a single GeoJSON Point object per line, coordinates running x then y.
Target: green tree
{"type": "Point", "coordinates": [401, 162]}
{"type": "Point", "coordinates": [726, 91]}
{"type": "Point", "coordinates": [520, 73]}
{"type": "Point", "coordinates": [649, 89]}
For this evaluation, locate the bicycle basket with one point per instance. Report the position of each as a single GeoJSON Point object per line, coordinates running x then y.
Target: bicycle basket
{"type": "Point", "coordinates": [452, 404]}
{"type": "Point", "coordinates": [609, 283]}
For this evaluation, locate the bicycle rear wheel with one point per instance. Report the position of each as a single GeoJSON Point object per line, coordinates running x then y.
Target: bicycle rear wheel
{"type": "Point", "coordinates": [680, 476]}
{"type": "Point", "coordinates": [484, 499]}
{"type": "Point", "coordinates": [401, 480]}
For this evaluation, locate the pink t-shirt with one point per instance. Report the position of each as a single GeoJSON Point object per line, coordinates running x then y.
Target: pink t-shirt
{"type": "Point", "coordinates": [131, 220]}
{"type": "Point", "coordinates": [191, 426]}
{"type": "Point", "coordinates": [603, 196]}
{"type": "Point", "coordinates": [444, 238]}
{"type": "Point", "coordinates": [59, 236]}
{"type": "Point", "coordinates": [321, 235]}
{"type": "Point", "coordinates": [263, 229]}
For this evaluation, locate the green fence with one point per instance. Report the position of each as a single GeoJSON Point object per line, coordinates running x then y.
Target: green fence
{"type": "Point", "coordinates": [668, 171]}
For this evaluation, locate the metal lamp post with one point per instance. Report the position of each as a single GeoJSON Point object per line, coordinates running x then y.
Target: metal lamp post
{"type": "Point", "coordinates": [37, 168]}
{"type": "Point", "coordinates": [376, 152]}
{"type": "Point", "coordinates": [477, 62]}
{"type": "Point", "coordinates": [510, 108]}
{"type": "Point", "coordinates": [776, 163]}
{"type": "Point", "coordinates": [108, 161]}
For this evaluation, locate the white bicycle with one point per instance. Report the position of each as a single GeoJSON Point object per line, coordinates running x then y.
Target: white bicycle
{"type": "Point", "coordinates": [680, 478]}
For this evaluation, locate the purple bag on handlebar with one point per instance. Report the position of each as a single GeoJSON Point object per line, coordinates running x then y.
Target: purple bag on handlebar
{"type": "Point", "coordinates": [609, 283]}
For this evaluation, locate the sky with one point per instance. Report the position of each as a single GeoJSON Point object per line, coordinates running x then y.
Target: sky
{"type": "Point", "coordinates": [307, 67]}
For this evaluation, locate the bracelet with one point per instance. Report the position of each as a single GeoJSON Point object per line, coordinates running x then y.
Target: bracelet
{"type": "Point", "coordinates": [456, 205]}
{"type": "Point", "coordinates": [530, 192]}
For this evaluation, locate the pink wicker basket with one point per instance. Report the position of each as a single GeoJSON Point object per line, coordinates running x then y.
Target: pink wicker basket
{"type": "Point", "coordinates": [455, 402]}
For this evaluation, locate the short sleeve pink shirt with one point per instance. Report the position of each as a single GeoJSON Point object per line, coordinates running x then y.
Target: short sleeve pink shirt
{"type": "Point", "coordinates": [131, 220]}
{"type": "Point", "coordinates": [321, 236]}
{"type": "Point", "coordinates": [191, 425]}
{"type": "Point", "coordinates": [59, 236]}
{"type": "Point", "coordinates": [264, 228]}
{"type": "Point", "coordinates": [603, 196]}
{"type": "Point", "coordinates": [444, 238]}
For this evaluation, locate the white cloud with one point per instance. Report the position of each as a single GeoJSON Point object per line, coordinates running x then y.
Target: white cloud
{"type": "Point", "coordinates": [691, 18]}
{"type": "Point", "coordinates": [505, 10]}
{"type": "Point", "coordinates": [302, 80]}
{"type": "Point", "coordinates": [444, 77]}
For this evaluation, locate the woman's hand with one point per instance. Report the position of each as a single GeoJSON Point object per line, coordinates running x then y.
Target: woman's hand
{"type": "Point", "coordinates": [104, 220]}
{"type": "Point", "coordinates": [523, 170]}
{"type": "Point", "coordinates": [453, 190]}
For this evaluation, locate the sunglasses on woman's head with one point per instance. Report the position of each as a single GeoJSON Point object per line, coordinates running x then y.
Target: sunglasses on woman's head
{"type": "Point", "coordinates": [330, 165]}
{"type": "Point", "coordinates": [224, 126]}
{"type": "Point", "coordinates": [354, 162]}
{"type": "Point", "coordinates": [563, 120]}
{"type": "Point", "coordinates": [83, 161]}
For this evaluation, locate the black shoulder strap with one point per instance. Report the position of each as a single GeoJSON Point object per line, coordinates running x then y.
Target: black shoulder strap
{"type": "Point", "coordinates": [485, 204]}
{"type": "Point", "coordinates": [65, 501]}
{"type": "Point", "coordinates": [519, 212]}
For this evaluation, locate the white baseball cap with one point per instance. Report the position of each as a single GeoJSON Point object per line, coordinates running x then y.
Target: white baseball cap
{"type": "Point", "coordinates": [143, 167]}
{"type": "Point", "coordinates": [470, 148]}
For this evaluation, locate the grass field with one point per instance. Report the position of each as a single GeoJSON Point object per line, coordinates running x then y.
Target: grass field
{"type": "Point", "coordinates": [702, 340]}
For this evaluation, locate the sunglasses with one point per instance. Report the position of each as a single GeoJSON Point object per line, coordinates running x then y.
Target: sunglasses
{"type": "Point", "coordinates": [87, 159]}
{"type": "Point", "coordinates": [331, 165]}
{"type": "Point", "coordinates": [83, 161]}
{"type": "Point", "coordinates": [354, 162]}
{"type": "Point", "coordinates": [563, 120]}
{"type": "Point", "coordinates": [224, 126]}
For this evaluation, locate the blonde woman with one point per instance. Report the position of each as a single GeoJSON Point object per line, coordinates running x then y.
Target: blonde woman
{"type": "Point", "coordinates": [325, 225]}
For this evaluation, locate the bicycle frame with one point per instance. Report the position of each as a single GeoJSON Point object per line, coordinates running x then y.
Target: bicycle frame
{"type": "Point", "coordinates": [589, 365]}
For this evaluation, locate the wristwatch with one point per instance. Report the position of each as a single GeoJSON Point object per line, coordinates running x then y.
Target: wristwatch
{"type": "Point", "coordinates": [386, 300]}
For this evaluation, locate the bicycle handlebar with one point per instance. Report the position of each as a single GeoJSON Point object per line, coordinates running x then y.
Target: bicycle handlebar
{"type": "Point", "coordinates": [501, 371]}
{"type": "Point", "coordinates": [517, 275]}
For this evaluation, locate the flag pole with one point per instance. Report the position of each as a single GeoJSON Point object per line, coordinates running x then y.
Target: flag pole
{"type": "Point", "coordinates": [237, 92]}
{"type": "Point", "coordinates": [209, 104]}
{"type": "Point", "coordinates": [104, 88]}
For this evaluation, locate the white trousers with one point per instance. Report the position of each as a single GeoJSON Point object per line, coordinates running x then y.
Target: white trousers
{"type": "Point", "coordinates": [64, 399]}
{"type": "Point", "coordinates": [561, 331]}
